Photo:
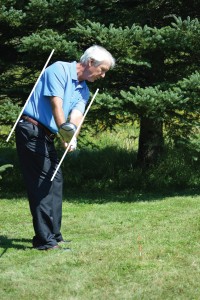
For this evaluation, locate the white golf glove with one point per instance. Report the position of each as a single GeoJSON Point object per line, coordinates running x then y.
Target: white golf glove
{"type": "Point", "coordinates": [73, 144]}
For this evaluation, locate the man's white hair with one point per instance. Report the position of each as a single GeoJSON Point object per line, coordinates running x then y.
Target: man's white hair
{"type": "Point", "coordinates": [99, 54]}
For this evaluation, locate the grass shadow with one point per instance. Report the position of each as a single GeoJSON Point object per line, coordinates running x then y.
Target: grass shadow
{"type": "Point", "coordinates": [102, 197]}
{"type": "Point", "coordinates": [10, 195]}
{"type": "Point", "coordinates": [18, 244]}
{"type": "Point", "coordinates": [105, 196]}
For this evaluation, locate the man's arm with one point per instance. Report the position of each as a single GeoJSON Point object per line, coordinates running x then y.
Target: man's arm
{"type": "Point", "coordinates": [76, 117]}
{"type": "Point", "coordinates": [58, 113]}
{"type": "Point", "coordinates": [57, 110]}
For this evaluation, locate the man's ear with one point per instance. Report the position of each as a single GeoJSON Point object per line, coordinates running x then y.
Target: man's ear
{"type": "Point", "coordinates": [91, 62]}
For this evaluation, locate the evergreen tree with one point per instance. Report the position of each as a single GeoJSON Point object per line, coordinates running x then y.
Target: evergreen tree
{"type": "Point", "coordinates": [153, 62]}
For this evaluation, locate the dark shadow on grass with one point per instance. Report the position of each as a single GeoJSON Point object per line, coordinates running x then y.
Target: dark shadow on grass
{"type": "Point", "coordinates": [106, 196]}
{"type": "Point", "coordinates": [7, 243]}
{"type": "Point", "coordinates": [102, 197]}
{"type": "Point", "coordinates": [10, 195]}
{"type": "Point", "coordinates": [111, 175]}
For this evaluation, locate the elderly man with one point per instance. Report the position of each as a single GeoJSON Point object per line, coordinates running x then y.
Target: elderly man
{"type": "Point", "coordinates": [56, 106]}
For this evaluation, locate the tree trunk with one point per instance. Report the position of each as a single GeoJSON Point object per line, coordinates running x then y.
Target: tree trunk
{"type": "Point", "coordinates": [151, 141]}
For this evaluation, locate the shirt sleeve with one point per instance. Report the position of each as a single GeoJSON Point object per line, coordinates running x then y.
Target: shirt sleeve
{"type": "Point", "coordinates": [80, 105]}
{"type": "Point", "coordinates": [55, 79]}
{"type": "Point", "coordinates": [83, 99]}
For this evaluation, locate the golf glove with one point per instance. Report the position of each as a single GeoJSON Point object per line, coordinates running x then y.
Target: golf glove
{"type": "Point", "coordinates": [73, 144]}
{"type": "Point", "coordinates": [67, 131]}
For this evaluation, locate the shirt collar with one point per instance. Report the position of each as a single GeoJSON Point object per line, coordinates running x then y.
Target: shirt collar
{"type": "Point", "coordinates": [79, 84]}
{"type": "Point", "coordinates": [73, 71]}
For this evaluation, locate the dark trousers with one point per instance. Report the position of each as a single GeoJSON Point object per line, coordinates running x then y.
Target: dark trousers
{"type": "Point", "coordinates": [38, 161]}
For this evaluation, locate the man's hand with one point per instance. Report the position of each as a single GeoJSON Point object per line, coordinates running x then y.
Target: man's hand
{"type": "Point", "coordinates": [67, 131]}
{"type": "Point", "coordinates": [73, 144]}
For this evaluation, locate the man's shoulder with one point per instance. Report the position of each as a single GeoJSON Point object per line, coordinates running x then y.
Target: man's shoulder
{"type": "Point", "coordinates": [59, 65]}
{"type": "Point", "coordinates": [64, 64]}
{"type": "Point", "coordinates": [68, 68]}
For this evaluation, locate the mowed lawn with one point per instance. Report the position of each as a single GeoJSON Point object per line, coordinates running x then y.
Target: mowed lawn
{"type": "Point", "coordinates": [123, 247]}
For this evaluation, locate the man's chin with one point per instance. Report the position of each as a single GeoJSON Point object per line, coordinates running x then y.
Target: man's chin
{"type": "Point", "coordinates": [91, 79]}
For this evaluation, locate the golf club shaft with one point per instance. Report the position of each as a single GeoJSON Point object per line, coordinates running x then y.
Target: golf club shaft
{"type": "Point", "coordinates": [75, 134]}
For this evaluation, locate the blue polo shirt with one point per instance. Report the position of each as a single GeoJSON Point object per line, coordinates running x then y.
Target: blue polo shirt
{"type": "Point", "coordinates": [59, 79]}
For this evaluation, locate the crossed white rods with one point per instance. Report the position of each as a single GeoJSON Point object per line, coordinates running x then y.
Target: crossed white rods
{"type": "Point", "coordinates": [75, 134]}
{"type": "Point", "coordinates": [78, 128]}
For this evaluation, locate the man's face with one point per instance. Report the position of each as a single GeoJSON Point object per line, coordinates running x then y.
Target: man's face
{"type": "Point", "coordinates": [96, 72]}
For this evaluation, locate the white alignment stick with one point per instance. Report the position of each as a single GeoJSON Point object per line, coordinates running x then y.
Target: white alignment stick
{"type": "Point", "coordinates": [75, 134]}
{"type": "Point", "coordinates": [30, 96]}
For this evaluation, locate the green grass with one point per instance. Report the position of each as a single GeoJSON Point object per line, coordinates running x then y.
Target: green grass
{"type": "Point", "coordinates": [123, 247]}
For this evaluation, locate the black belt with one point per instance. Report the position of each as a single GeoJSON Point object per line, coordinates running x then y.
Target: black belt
{"type": "Point", "coordinates": [34, 122]}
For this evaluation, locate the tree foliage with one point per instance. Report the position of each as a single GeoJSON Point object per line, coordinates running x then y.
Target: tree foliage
{"type": "Point", "coordinates": [155, 43]}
